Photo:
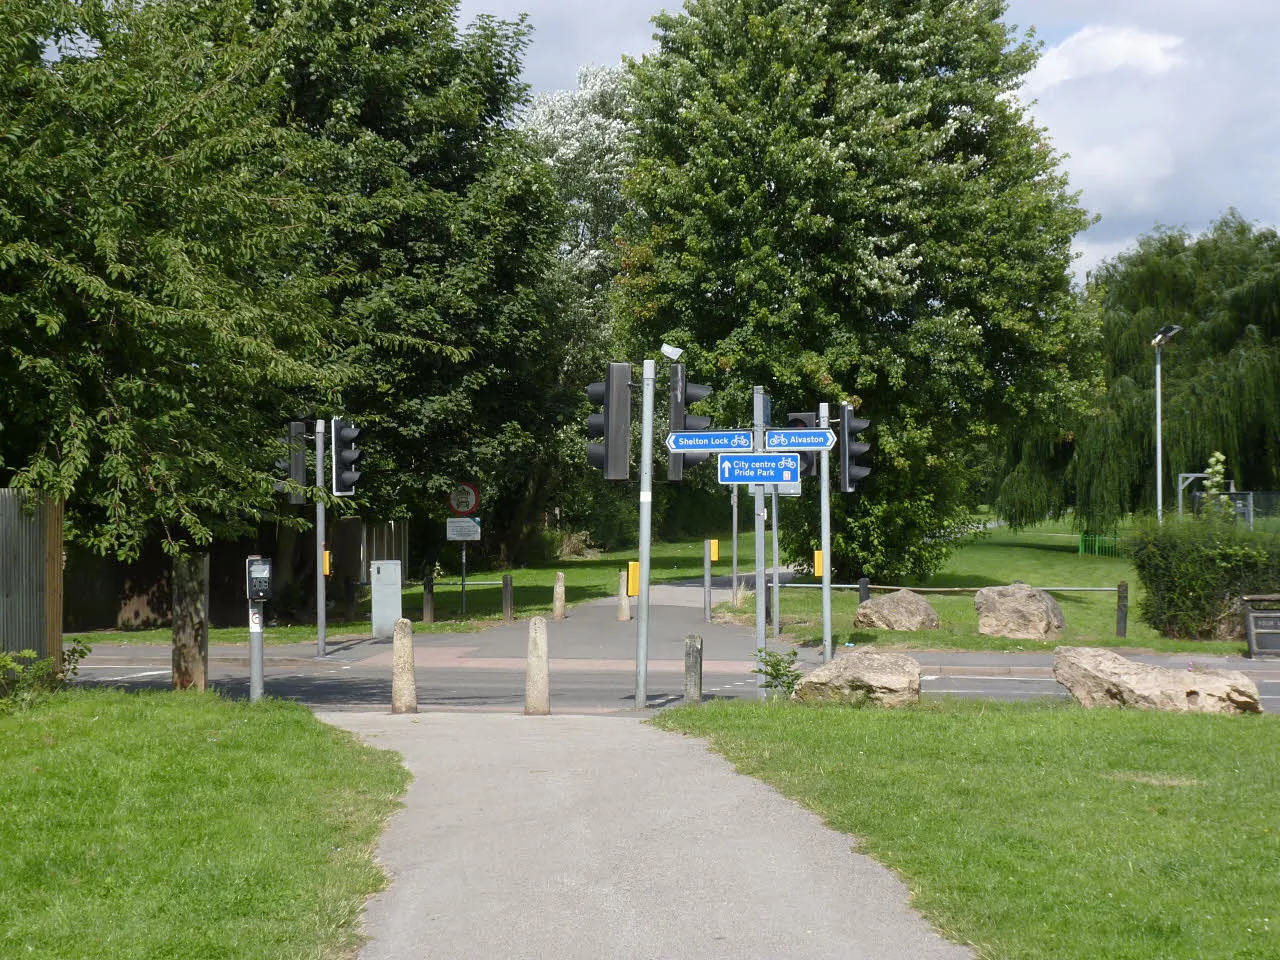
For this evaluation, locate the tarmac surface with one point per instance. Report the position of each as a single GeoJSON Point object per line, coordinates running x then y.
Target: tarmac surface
{"type": "Point", "coordinates": [591, 837]}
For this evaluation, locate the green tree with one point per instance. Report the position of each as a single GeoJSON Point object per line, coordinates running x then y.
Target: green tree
{"type": "Point", "coordinates": [847, 202]}
{"type": "Point", "coordinates": [443, 226]}
{"type": "Point", "coordinates": [154, 321]}
{"type": "Point", "coordinates": [1220, 377]}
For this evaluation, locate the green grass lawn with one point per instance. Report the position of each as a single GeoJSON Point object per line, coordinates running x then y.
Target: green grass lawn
{"type": "Point", "coordinates": [585, 579]}
{"type": "Point", "coordinates": [1045, 556]}
{"type": "Point", "coordinates": [185, 826]}
{"type": "Point", "coordinates": [1041, 830]}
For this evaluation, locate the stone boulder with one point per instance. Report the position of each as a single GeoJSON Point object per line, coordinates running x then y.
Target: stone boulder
{"type": "Point", "coordinates": [901, 610]}
{"type": "Point", "coordinates": [1100, 678]}
{"type": "Point", "coordinates": [1019, 612]}
{"type": "Point", "coordinates": [889, 679]}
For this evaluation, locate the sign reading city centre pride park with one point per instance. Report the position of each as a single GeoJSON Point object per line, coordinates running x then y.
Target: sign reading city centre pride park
{"type": "Point", "coordinates": [758, 468]}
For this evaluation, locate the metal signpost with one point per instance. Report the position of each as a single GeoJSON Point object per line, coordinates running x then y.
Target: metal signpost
{"type": "Point", "coordinates": [733, 499]}
{"type": "Point", "coordinates": [320, 585]}
{"type": "Point", "coordinates": [824, 414]}
{"type": "Point", "coordinates": [646, 514]}
{"type": "Point", "coordinates": [790, 472]}
{"type": "Point", "coordinates": [463, 529]}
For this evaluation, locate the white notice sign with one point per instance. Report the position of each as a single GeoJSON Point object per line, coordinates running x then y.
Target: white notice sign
{"type": "Point", "coordinates": [462, 528]}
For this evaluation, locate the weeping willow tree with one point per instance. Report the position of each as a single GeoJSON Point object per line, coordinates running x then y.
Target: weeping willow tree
{"type": "Point", "coordinates": [1221, 379]}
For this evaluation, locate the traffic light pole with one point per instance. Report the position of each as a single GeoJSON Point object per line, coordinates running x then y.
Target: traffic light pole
{"type": "Point", "coordinates": [320, 597]}
{"type": "Point", "coordinates": [761, 583]}
{"type": "Point", "coordinates": [646, 514]}
{"type": "Point", "coordinates": [824, 421]}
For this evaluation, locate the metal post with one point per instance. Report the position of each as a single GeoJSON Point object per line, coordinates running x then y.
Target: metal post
{"type": "Point", "coordinates": [1159, 450]}
{"type": "Point", "coordinates": [777, 613]}
{"type": "Point", "coordinates": [320, 586]}
{"type": "Point", "coordinates": [646, 514]}
{"type": "Point", "coordinates": [824, 421]}
{"type": "Point", "coordinates": [706, 581]}
{"type": "Point", "coordinates": [733, 499]}
{"type": "Point", "coordinates": [761, 585]}
{"type": "Point", "coordinates": [508, 598]}
{"type": "Point", "coordinates": [255, 650]}
{"type": "Point", "coordinates": [429, 597]}
{"type": "Point", "coordinates": [464, 576]}
{"type": "Point", "coordinates": [1122, 609]}
{"type": "Point", "coordinates": [864, 589]}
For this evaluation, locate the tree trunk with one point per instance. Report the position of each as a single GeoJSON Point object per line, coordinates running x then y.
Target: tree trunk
{"type": "Point", "coordinates": [191, 622]}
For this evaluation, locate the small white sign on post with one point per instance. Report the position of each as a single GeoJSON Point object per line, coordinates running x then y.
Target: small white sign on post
{"type": "Point", "coordinates": [462, 528]}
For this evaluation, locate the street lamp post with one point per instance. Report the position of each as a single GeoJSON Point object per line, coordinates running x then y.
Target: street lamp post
{"type": "Point", "coordinates": [1163, 336]}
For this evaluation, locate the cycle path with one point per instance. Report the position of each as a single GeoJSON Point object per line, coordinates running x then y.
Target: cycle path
{"type": "Point", "coordinates": [570, 837]}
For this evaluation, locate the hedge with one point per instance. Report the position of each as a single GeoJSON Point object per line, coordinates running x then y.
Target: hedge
{"type": "Point", "coordinates": [1194, 572]}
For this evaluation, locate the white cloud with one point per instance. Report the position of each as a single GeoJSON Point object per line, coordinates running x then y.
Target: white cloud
{"type": "Point", "coordinates": [1105, 49]}
{"type": "Point", "coordinates": [1125, 175]}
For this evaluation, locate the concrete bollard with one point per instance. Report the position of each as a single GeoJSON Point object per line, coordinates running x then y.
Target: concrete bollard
{"type": "Point", "coordinates": [624, 601]}
{"type": "Point", "coordinates": [557, 598]}
{"type": "Point", "coordinates": [537, 676]}
{"type": "Point", "coordinates": [404, 687]}
{"type": "Point", "coordinates": [693, 668]}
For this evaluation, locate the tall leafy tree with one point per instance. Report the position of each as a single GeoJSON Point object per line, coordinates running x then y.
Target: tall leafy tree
{"type": "Point", "coordinates": [444, 226]}
{"type": "Point", "coordinates": [154, 321]}
{"type": "Point", "coordinates": [1220, 377]}
{"type": "Point", "coordinates": [847, 202]}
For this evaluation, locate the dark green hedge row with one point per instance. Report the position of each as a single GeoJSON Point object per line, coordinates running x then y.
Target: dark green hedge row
{"type": "Point", "coordinates": [1195, 571]}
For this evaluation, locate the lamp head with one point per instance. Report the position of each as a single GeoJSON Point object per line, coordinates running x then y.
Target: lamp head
{"type": "Point", "coordinates": [1165, 334]}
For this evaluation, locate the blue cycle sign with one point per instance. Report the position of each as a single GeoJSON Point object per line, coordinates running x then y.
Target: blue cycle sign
{"type": "Point", "coordinates": [799, 439]}
{"type": "Point", "coordinates": [708, 441]}
{"type": "Point", "coordinates": [759, 468]}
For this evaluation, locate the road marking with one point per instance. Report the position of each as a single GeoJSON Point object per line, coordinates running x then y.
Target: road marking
{"type": "Point", "coordinates": [135, 676]}
{"type": "Point", "coordinates": [983, 676]}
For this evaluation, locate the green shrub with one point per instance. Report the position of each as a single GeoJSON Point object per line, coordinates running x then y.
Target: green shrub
{"type": "Point", "coordinates": [26, 679]}
{"type": "Point", "coordinates": [1195, 571]}
{"type": "Point", "coordinates": [778, 671]}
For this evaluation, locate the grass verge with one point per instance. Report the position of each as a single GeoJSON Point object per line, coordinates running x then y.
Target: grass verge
{"type": "Point", "coordinates": [1041, 830]}
{"type": "Point", "coordinates": [585, 579]}
{"type": "Point", "coordinates": [1045, 556]}
{"type": "Point", "coordinates": [185, 826]}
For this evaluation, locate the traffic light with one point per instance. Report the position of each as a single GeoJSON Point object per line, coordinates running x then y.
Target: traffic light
{"type": "Point", "coordinates": [295, 464]}
{"type": "Point", "coordinates": [346, 455]}
{"type": "Point", "coordinates": [808, 458]}
{"type": "Point", "coordinates": [851, 448]}
{"type": "Point", "coordinates": [613, 424]}
{"type": "Point", "coordinates": [684, 393]}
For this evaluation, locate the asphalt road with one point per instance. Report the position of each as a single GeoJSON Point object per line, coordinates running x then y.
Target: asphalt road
{"type": "Point", "coordinates": [592, 666]}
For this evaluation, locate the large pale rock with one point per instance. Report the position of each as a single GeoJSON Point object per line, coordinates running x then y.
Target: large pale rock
{"type": "Point", "coordinates": [889, 679]}
{"type": "Point", "coordinates": [1018, 612]}
{"type": "Point", "coordinates": [901, 610]}
{"type": "Point", "coordinates": [1100, 678]}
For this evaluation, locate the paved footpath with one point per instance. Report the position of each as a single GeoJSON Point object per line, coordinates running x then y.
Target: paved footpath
{"type": "Point", "coordinates": [594, 837]}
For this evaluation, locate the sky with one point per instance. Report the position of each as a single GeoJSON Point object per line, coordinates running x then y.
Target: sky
{"type": "Point", "coordinates": [1168, 110]}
